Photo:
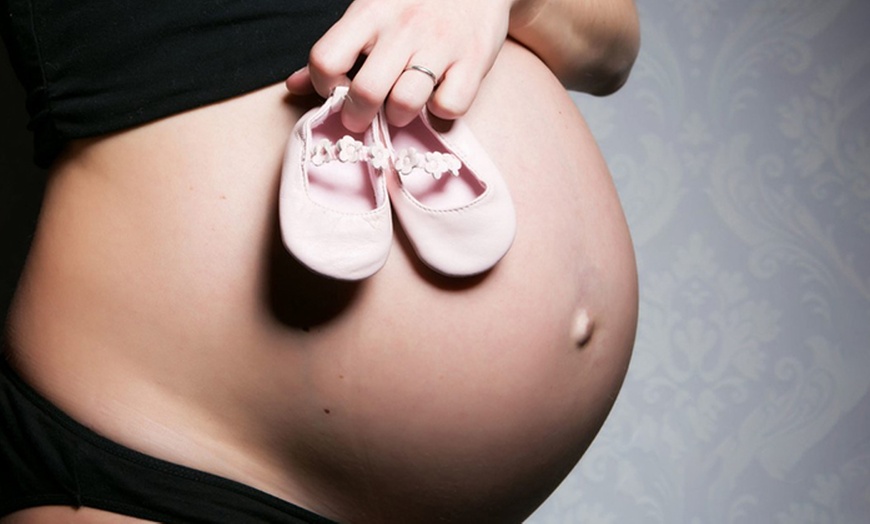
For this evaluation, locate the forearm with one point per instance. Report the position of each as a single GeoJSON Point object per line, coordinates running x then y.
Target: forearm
{"type": "Point", "coordinates": [590, 45]}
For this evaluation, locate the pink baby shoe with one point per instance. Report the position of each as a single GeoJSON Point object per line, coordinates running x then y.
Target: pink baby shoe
{"type": "Point", "coordinates": [450, 198]}
{"type": "Point", "coordinates": [333, 205]}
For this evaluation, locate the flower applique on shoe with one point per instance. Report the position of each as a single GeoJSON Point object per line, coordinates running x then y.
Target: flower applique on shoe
{"type": "Point", "coordinates": [334, 209]}
{"type": "Point", "coordinates": [450, 197]}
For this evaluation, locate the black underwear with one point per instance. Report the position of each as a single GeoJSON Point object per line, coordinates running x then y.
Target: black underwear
{"type": "Point", "coordinates": [91, 67]}
{"type": "Point", "coordinates": [49, 459]}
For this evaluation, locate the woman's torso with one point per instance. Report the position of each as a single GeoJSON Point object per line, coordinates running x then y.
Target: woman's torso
{"type": "Point", "coordinates": [159, 308]}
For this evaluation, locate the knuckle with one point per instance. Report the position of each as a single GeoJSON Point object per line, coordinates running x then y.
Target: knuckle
{"type": "Point", "coordinates": [363, 93]}
{"type": "Point", "coordinates": [405, 102]}
{"type": "Point", "coordinates": [454, 96]}
{"type": "Point", "coordinates": [449, 106]}
{"type": "Point", "coordinates": [323, 60]}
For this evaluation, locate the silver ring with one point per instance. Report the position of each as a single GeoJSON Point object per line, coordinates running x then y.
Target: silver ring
{"type": "Point", "coordinates": [425, 70]}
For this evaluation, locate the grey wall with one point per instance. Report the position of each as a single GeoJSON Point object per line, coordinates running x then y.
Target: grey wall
{"type": "Point", "coordinates": [741, 151]}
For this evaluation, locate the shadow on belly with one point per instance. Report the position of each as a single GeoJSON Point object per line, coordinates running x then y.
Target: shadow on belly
{"type": "Point", "coordinates": [302, 299]}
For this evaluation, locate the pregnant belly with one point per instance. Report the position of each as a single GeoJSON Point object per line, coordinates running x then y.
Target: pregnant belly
{"type": "Point", "coordinates": [469, 401]}
{"type": "Point", "coordinates": [408, 397]}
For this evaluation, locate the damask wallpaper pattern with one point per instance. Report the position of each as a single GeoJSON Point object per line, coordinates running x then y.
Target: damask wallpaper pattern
{"type": "Point", "coordinates": [741, 151]}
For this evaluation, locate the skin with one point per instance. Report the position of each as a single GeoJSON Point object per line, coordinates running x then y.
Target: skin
{"type": "Point", "coordinates": [159, 308]}
{"type": "Point", "coordinates": [589, 45]}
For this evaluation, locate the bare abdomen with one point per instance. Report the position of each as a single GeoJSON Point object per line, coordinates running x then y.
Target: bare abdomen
{"type": "Point", "coordinates": [406, 398]}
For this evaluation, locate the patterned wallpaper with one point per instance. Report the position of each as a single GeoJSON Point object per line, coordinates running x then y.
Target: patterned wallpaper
{"type": "Point", "coordinates": [741, 151]}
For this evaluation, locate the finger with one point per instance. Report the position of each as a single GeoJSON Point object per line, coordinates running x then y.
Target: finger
{"type": "Point", "coordinates": [372, 84]}
{"type": "Point", "coordinates": [299, 83]}
{"type": "Point", "coordinates": [411, 93]}
{"type": "Point", "coordinates": [334, 55]}
{"type": "Point", "coordinates": [456, 91]}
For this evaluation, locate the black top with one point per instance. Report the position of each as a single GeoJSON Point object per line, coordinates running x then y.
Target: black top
{"type": "Point", "coordinates": [91, 67]}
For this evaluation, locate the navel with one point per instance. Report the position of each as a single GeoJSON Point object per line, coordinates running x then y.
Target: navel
{"type": "Point", "coordinates": [581, 328]}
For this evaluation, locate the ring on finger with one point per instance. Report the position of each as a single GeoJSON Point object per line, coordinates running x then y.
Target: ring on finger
{"type": "Point", "coordinates": [425, 70]}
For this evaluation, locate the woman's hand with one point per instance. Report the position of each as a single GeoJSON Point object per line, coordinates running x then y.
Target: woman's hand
{"type": "Point", "coordinates": [457, 40]}
{"type": "Point", "coordinates": [589, 45]}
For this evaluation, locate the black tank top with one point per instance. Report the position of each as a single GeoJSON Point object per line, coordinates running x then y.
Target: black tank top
{"type": "Point", "coordinates": [91, 67]}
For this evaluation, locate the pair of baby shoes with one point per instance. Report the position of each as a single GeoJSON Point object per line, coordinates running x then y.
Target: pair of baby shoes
{"type": "Point", "coordinates": [336, 203]}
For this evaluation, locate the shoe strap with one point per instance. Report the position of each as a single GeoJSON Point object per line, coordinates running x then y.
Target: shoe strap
{"type": "Point", "coordinates": [348, 149]}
